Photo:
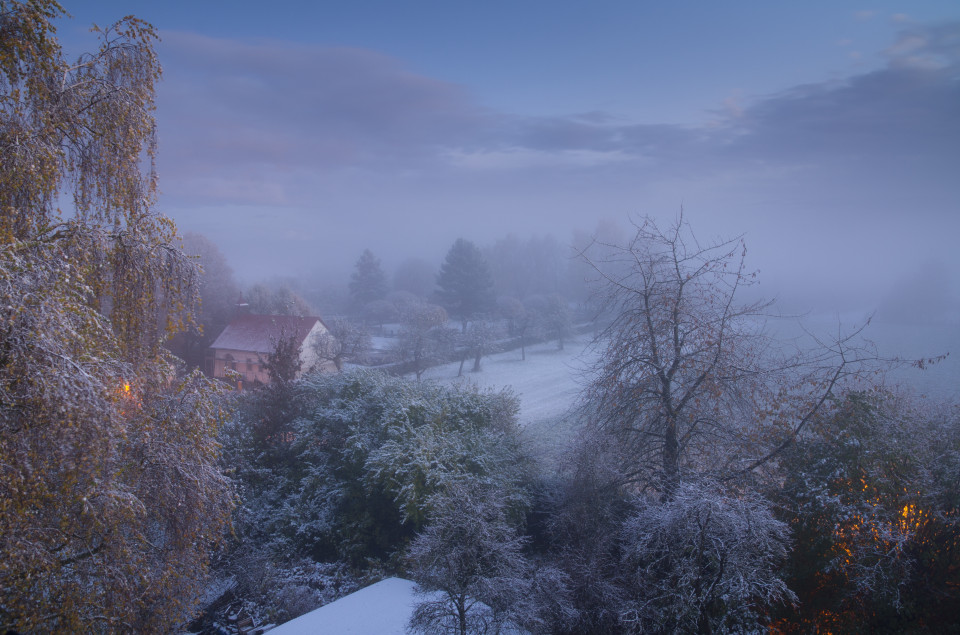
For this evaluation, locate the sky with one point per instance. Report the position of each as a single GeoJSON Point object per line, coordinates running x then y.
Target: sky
{"type": "Point", "coordinates": [295, 135]}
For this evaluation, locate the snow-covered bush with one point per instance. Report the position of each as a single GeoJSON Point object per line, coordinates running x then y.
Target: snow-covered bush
{"type": "Point", "coordinates": [704, 561]}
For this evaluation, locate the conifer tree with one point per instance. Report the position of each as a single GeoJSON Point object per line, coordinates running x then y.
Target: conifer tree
{"type": "Point", "coordinates": [368, 282]}
{"type": "Point", "coordinates": [465, 287]}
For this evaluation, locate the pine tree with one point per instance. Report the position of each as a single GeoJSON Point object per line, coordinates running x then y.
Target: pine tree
{"type": "Point", "coordinates": [368, 283]}
{"type": "Point", "coordinates": [465, 285]}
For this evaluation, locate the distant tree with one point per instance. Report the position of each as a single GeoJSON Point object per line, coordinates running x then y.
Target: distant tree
{"type": "Point", "coordinates": [329, 296]}
{"type": "Point", "coordinates": [343, 341]}
{"type": "Point", "coordinates": [275, 299]}
{"type": "Point", "coordinates": [423, 340]}
{"type": "Point", "coordinates": [259, 299]}
{"type": "Point", "coordinates": [479, 340]}
{"type": "Point", "coordinates": [111, 497]}
{"type": "Point", "coordinates": [218, 300]}
{"type": "Point", "coordinates": [401, 300]}
{"type": "Point", "coordinates": [555, 319]}
{"type": "Point", "coordinates": [519, 320]}
{"type": "Point", "coordinates": [415, 276]}
{"type": "Point", "coordinates": [521, 268]}
{"type": "Point", "coordinates": [508, 264]}
{"type": "Point", "coordinates": [464, 285]}
{"type": "Point", "coordinates": [368, 282]}
{"type": "Point", "coordinates": [286, 302]}
{"type": "Point", "coordinates": [379, 312]}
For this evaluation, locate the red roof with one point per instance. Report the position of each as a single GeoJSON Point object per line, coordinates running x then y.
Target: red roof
{"type": "Point", "coordinates": [260, 333]}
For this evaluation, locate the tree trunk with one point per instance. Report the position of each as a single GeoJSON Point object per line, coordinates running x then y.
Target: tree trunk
{"type": "Point", "coordinates": [671, 459]}
{"type": "Point", "coordinates": [462, 615]}
{"type": "Point", "coordinates": [476, 359]}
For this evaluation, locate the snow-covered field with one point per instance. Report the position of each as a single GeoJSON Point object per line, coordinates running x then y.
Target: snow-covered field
{"type": "Point", "coordinates": [548, 383]}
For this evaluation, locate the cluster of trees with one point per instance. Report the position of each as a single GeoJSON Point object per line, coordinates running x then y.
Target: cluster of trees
{"type": "Point", "coordinates": [490, 303]}
{"type": "Point", "coordinates": [347, 468]}
{"type": "Point", "coordinates": [464, 290]}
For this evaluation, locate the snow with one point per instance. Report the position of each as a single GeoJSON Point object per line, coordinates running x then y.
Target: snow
{"type": "Point", "coordinates": [383, 608]}
{"type": "Point", "coordinates": [548, 384]}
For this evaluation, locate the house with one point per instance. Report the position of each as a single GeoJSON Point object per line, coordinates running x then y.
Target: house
{"type": "Point", "coordinates": [247, 342]}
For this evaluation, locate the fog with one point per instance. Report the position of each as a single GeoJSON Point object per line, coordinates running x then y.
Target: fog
{"type": "Point", "coordinates": [829, 139]}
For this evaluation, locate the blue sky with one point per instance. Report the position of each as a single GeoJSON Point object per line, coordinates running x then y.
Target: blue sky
{"type": "Point", "coordinates": [827, 132]}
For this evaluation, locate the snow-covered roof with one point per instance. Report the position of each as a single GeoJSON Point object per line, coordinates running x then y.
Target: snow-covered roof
{"type": "Point", "coordinates": [259, 333]}
{"type": "Point", "coordinates": [383, 608]}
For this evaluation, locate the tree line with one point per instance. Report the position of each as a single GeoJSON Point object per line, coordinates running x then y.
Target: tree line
{"type": "Point", "coordinates": [463, 290]}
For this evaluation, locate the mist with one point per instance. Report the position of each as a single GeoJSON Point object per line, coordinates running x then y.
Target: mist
{"type": "Point", "coordinates": [831, 146]}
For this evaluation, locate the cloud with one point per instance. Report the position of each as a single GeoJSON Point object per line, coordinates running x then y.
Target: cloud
{"type": "Point", "coordinates": [263, 106]}
{"type": "Point", "coordinates": [251, 113]}
{"type": "Point", "coordinates": [526, 158]}
{"type": "Point", "coordinates": [927, 47]}
{"type": "Point", "coordinates": [263, 138]}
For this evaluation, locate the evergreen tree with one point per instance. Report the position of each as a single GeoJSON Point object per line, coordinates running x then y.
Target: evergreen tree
{"type": "Point", "coordinates": [465, 285]}
{"type": "Point", "coordinates": [368, 283]}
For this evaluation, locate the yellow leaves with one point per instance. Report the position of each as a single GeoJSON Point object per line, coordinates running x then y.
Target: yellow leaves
{"type": "Point", "coordinates": [94, 437]}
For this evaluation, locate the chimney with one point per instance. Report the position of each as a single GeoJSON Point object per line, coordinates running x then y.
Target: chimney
{"type": "Point", "coordinates": [242, 307]}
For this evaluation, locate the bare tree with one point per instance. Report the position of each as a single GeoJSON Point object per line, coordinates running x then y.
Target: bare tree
{"type": "Point", "coordinates": [556, 319]}
{"type": "Point", "coordinates": [342, 341]}
{"type": "Point", "coordinates": [479, 340]}
{"type": "Point", "coordinates": [688, 378]}
{"type": "Point", "coordinates": [423, 338]}
{"type": "Point", "coordinates": [519, 320]}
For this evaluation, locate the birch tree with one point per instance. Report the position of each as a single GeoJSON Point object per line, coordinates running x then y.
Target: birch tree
{"type": "Point", "coordinates": [110, 496]}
